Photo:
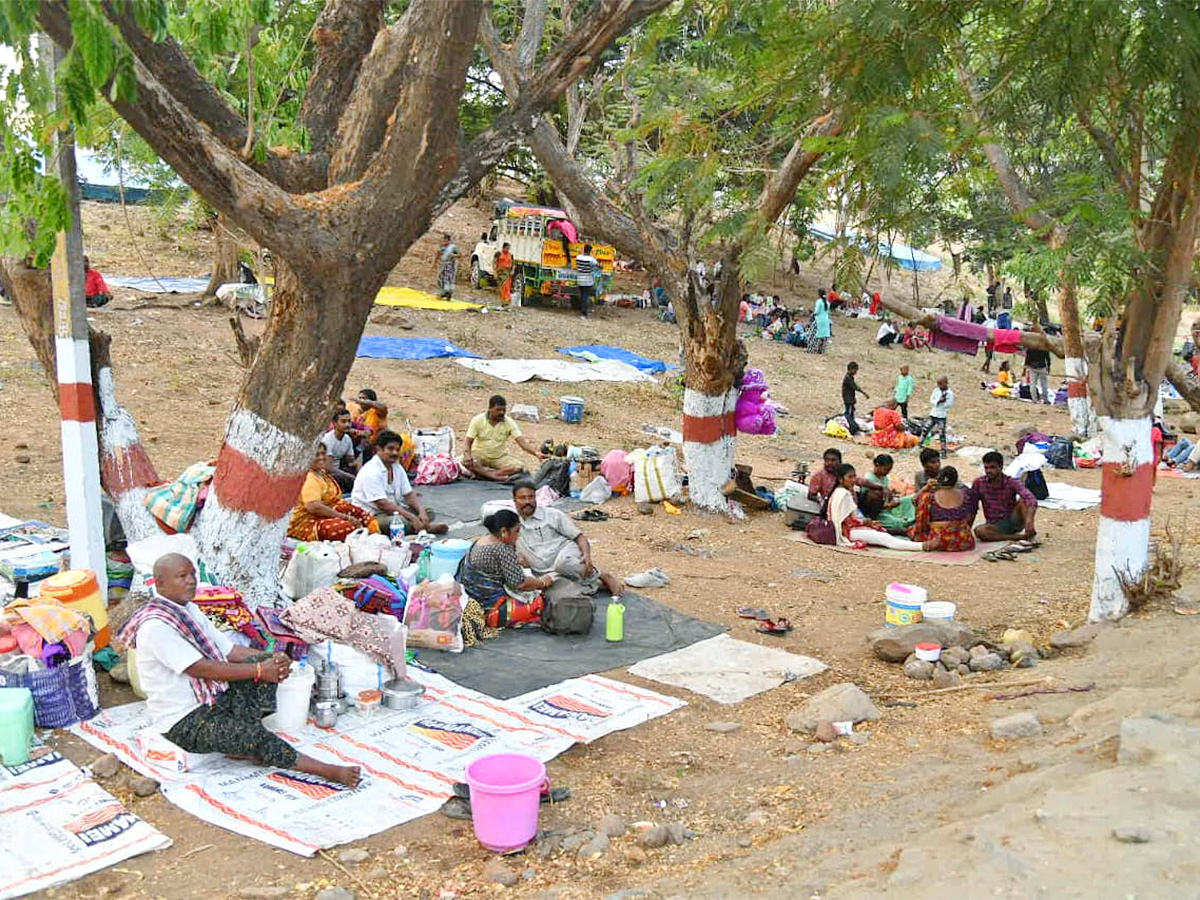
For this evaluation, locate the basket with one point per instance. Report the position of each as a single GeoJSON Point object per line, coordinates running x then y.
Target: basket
{"type": "Point", "coordinates": [61, 696]}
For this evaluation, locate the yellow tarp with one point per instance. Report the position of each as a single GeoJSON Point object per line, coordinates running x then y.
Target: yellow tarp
{"type": "Point", "coordinates": [413, 299]}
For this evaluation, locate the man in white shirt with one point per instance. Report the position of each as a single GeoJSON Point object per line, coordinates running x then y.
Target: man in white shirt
{"type": "Point", "coordinates": [940, 402]}
{"type": "Point", "coordinates": [340, 446]}
{"type": "Point", "coordinates": [382, 488]}
{"type": "Point", "coordinates": [550, 543]}
{"type": "Point", "coordinates": [585, 277]}
{"type": "Point", "coordinates": [205, 693]}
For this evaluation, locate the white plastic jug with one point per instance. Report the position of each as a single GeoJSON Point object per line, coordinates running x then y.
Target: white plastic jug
{"type": "Point", "coordinates": [292, 698]}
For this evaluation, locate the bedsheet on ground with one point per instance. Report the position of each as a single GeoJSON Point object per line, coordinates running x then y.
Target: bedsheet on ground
{"type": "Point", "coordinates": [410, 760]}
{"type": "Point", "coordinates": [607, 351]}
{"type": "Point", "coordinates": [414, 299]}
{"type": "Point", "coordinates": [1068, 496]}
{"type": "Point", "coordinates": [726, 669]}
{"type": "Point", "coordinates": [56, 825]}
{"type": "Point", "coordinates": [517, 371]}
{"type": "Point", "coordinates": [526, 659]}
{"type": "Point", "coordinates": [165, 284]}
{"type": "Point", "coordinates": [1165, 472]}
{"type": "Point", "coordinates": [378, 346]}
{"type": "Point", "coordinates": [964, 558]}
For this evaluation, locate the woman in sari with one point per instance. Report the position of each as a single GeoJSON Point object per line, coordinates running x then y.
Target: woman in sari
{"type": "Point", "coordinates": [889, 428]}
{"type": "Point", "coordinates": [504, 273]}
{"type": "Point", "coordinates": [945, 513]}
{"type": "Point", "coordinates": [491, 573]}
{"type": "Point", "coordinates": [322, 514]}
{"type": "Point", "coordinates": [852, 529]}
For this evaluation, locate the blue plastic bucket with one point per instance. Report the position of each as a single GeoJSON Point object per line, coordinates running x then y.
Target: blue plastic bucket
{"type": "Point", "coordinates": [570, 409]}
{"type": "Point", "coordinates": [444, 557]}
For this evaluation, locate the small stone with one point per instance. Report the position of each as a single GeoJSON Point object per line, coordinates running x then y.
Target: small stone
{"type": "Point", "coordinates": [1018, 725]}
{"type": "Point", "coordinates": [336, 893]}
{"type": "Point", "coordinates": [920, 669]}
{"type": "Point", "coordinates": [143, 786]}
{"type": "Point", "coordinates": [498, 873]}
{"type": "Point", "coordinates": [1016, 636]}
{"type": "Point", "coordinates": [636, 855]}
{"type": "Point", "coordinates": [825, 732]}
{"type": "Point", "coordinates": [376, 874]}
{"type": "Point", "coordinates": [400, 851]}
{"type": "Point", "coordinates": [574, 841]}
{"type": "Point", "coordinates": [745, 843]}
{"type": "Point", "coordinates": [895, 644]}
{"type": "Point", "coordinates": [756, 819]}
{"type": "Point", "coordinates": [1025, 662]}
{"type": "Point", "coordinates": [529, 874]}
{"type": "Point", "coordinates": [1135, 835]}
{"type": "Point", "coordinates": [859, 737]}
{"type": "Point", "coordinates": [353, 856]}
{"type": "Point", "coordinates": [818, 747]}
{"type": "Point", "coordinates": [723, 727]}
{"type": "Point", "coordinates": [843, 702]}
{"type": "Point", "coordinates": [945, 679]}
{"type": "Point", "coordinates": [988, 662]}
{"type": "Point", "coordinates": [979, 650]}
{"type": "Point", "coordinates": [963, 669]}
{"type": "Point", "coordinates": [548, 845]}
{"type": "Point", "coordinates": [23, 458]}
{"type": "Point", "coordinates": [266, 892]}
{"type": "Point", "coordinates": [646, 509]}
{"type": "Point", "coordinates": [655, 837]}
{"type": "Point", "coordinates": [105, 766]}
{"type": "Point", "coordinates": [676, 833]}
{"type": "Point", "coordinates": [595, 848]}
{"type": "Point", "coordinates": [120, 672]}
{"type": "Point", "coordinates": [612, 825]}
{"type": "Point", "coordinates": [1077, 637]}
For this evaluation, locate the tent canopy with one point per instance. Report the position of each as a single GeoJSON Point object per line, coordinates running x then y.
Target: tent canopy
{"type": "Point", "coordinates": [905, 256]}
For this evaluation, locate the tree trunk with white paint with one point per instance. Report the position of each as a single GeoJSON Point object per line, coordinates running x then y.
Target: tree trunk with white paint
{"type": "Point", "coordinates": [709, 435]}
{"type": "Point", "coordinates": [1123, 536]}
{"type": "Point", "coordinates": [1083, 417]}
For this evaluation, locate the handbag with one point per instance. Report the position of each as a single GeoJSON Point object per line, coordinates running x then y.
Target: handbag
{"type": "Point", "coordinates": [63, 695]}
{"type": "Point", "coordinates": [820, 529]}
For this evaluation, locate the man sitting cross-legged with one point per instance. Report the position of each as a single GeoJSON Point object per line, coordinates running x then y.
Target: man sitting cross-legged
{"type": "Point", "coordinates": [382, 488]}
{"type": "Point", "coordinates": [205, 693]}
{"type": "Point", "coordinates": [486, 453]}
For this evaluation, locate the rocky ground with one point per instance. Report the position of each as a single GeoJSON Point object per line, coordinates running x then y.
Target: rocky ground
{"type": "Point", "coordinates": [1086, 793]}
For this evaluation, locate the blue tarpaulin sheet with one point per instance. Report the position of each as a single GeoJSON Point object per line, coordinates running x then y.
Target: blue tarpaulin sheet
{"type": "Point", "coordinates": [377, 346]}
{"type": "Point", "coordinates": [605, 351]}
{"type": "Point", "coordinates": [165, 284]}
{"type": "Point", "coordinates": [905, 256]}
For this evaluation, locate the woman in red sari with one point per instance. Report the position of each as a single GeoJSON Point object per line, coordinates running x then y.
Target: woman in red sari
{"type": "Point", "coordinates": [945, 513]}
{"type": "Point", "coordinates": [889, 428]}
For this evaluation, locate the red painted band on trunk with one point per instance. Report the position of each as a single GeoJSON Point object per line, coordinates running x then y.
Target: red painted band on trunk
{"type": "Point", "coordinates": [1077, 389]}
{"type": "Point", "coordinates": [75, 402]}
{"type": "Point", "coordinates": [1126, 498]}
{"type": "Point", "coordinates": [243, 485]}
{"type": "Point", "coordinates": [709, 429]}
{"type": "Point", "coordinates": [126, 468]}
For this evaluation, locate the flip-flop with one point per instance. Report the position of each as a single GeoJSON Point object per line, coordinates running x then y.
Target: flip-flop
{"type": "Point", "coordinates": [999, 555]}
{"type": "Point", "coordinates": [774, 626]}
{"type": "Point", "coordinates": [462, 794]}
{"type": "Point", "coordinates": [591, 515]}
{"type": "Point", "coordinates": [752, 612]}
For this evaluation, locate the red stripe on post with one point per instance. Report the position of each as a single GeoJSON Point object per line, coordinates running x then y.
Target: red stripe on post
{"type": "Point", "coordinates": [1077, 389]}
{"type": "Point", "coordinates": [709, 429]}
{"type": "Point", "coordinates": [1126, 498]}
{"type": "Point", "coordinates": [243, 485]}
{"type": "Point", "coordinates": [76, 403]}
{"type": "Point", "coordinates": [127, 468]}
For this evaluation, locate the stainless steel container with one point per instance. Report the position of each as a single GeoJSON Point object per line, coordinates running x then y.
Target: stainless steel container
{"type": "Point", "coordinates": [402, 693]}
{"type": "Point", "coordinates": [325, 712]}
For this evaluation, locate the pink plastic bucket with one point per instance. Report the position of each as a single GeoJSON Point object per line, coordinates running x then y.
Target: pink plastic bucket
{"type": "Point", "coordinates": [505, 795]}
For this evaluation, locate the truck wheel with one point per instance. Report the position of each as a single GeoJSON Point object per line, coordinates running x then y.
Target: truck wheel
{"type": "Point", "coordinates": [478, 279]}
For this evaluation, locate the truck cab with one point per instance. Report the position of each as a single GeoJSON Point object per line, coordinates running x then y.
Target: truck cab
{"type": "Point", "coordinates": [540, 240]}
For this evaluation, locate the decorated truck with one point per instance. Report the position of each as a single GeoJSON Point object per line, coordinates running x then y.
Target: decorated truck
{"type": "Point", "coordinates": [544, 244]}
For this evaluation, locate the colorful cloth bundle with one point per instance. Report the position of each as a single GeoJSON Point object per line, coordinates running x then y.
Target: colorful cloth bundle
{"type": "Point", "coordinates": [227, 610]}
{"type": "Point", "coordinates": [175, 504]}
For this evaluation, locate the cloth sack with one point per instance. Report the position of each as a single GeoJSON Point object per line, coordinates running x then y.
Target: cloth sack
{"type": "Point", "coordinates": [314, 566]}
{"type": "Point", "coordinates": [655, 474]}
{"type": "Point", "coordinates": [555, 474]}
{"type": "Point", "coordinates": [62, 696]}
{"type": "Point", "coordinates": [567, 612]}
{"type": "Point", "coordinates": [438, 468]}
{"type": "Point", "coordinates": [1061, 453]}
{"type": "Point", "coordinates": [175, 504]}
{"type": "Point", "coordinates": [833, 428]}
{"type": "Point", "coordinates": [617, 472]}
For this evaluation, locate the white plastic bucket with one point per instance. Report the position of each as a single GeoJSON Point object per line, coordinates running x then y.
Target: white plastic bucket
{"type": "Point", "coordinates": [929, 652]}
{"type": "Point", "coordinates": [292, 697]}
{"type": "Point", "coordinates": [904, 603]}
{"type": "Point", "coordinates": [938, 609]}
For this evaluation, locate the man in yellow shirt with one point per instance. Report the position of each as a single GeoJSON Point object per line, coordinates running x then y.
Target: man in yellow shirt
{"type": "Point", "coordinates": [486, 452]}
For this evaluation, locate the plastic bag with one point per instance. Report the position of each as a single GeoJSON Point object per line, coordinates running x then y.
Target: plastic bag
{"type": "Point", "coordinates": [617, 471]}
{"type": "Point", "coordinates": [313, 566]}
{"type": "Point", "coordinates": [366, 547]}
{"type": "Point", "coordinates": [596, 491]}
{"type": "Point", "coordinates": [433, 615]}
{"type": "Point", "coordinates": [434, 441]}
{"type": "Point", "coordinates": [655, 474]}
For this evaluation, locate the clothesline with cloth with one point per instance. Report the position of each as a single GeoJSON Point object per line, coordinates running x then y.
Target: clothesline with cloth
{"type": "Point", "coordinates": [961, 336]}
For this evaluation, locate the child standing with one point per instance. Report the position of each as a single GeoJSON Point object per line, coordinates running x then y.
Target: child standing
{"type": "Point", "coordinates": [904, 389]}
{"type": "Point", "coordinates": [940, 402]}
{"type": "Point", "coordinates": [849, 389]}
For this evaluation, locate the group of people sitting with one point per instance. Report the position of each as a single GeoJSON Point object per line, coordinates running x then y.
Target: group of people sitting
{"type": "Point", "coordinates": [866, 511]}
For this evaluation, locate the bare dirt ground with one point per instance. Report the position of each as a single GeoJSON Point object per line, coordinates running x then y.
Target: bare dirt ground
{"type": "Point", "coordinates": [928, 805]}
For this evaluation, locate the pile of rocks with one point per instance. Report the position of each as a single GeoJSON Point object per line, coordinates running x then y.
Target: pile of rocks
{"type": "Point", "coordinates": [963, 652]}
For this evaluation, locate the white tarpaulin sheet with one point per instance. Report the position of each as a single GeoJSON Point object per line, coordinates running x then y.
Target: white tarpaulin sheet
{"type": "Point", "coordinates": [1067, 496]}
{"type": "Point", "coordinates": [56, 825]}
{"type": "Point", "coordinates": [726, 669]}
{"type": "Point", "coordinates": [561, 370]}
{"type": "Point", "coordinates": [410, 760]}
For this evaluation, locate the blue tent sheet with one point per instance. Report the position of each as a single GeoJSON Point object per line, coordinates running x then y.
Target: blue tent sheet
{"type": "Point", "coordinates": [377, 346]}
{"type": "Point", "coordinates": [905, 256]}
{"type": "Point", "coordinates": [164, 285]}
{"type": "Point", "coordinates": [605, 351]}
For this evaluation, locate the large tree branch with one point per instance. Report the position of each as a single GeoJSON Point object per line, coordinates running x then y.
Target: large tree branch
{"type": "Point", "coordinates": [344, 34]}
{"type": "Point", "coordinates": [1107, 146]}
{"type": "Point", "coordinates": [172, 68]}
{"type": "Point", "coordinates": [781, 184]}
{"type": "Point", "coordinates": [1035, 340]}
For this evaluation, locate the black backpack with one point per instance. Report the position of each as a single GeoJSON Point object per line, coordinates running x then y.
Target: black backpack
{"type": "Point", "coordinates": [1061, 454]}
{"type": "Point", "coordinates": [1035, 481]}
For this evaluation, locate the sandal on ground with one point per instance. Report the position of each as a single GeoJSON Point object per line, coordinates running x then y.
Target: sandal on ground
{"type": "Point", "coordinates": [1023, 546]}
{"type": "Point", "coordinates": [462, 793]}
{"type": "Point", "coordinates": [752, 612]}
{"type": "Point", "coordinates": [774, 626]}
{"type": "Point", "coordinates": [999, 555]}
{"type": "Point", "coordinates": [591, 515]}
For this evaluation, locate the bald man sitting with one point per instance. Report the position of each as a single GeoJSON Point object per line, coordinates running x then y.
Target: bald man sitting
{"type": "Point", "coordinates": [205, 693]}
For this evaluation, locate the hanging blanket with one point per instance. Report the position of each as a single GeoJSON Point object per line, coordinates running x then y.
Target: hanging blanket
{"type": "Point", "coordinates": [958, 336]}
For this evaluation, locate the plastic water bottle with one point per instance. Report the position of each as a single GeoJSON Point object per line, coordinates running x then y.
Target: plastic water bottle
{"type": "Point", "coordinates": [573, 474]}
{"type": "Point", "coordinates": [614, 621]}
{"type": "Point", "coordinates": [396, 527]}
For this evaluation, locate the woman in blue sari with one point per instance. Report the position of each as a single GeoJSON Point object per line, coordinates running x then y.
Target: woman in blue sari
{"type": "Point", "coordinates": [491, 573]}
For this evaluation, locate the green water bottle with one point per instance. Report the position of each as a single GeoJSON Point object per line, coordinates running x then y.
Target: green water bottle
{"type": "Point", "coordinates": [614, 621]}
{"type": "Point", "coordinates": [423, 565]}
